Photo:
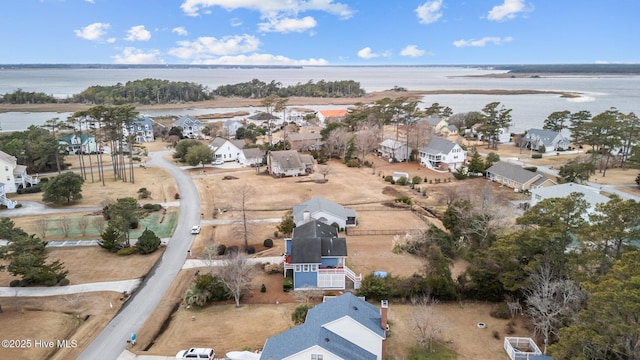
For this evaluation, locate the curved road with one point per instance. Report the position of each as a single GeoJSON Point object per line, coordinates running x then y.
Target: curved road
{"type": "Point", "coordinates": [112, 341]}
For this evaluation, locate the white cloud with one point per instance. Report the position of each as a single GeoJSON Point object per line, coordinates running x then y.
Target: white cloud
{"type": "Point", "coordinates": [286, 25]}
{"type": "Point", "coordinates": [482, 42]}
{"type": "Point", "coordinates": [131, 55]}
{"type": "Point", "coordinates": [269, 8]}
{"type": "Point", "coordinates": [138, 33]}
{"type": "Point", "coordinates": [90, 1]}
{"type": "Point", "coordinates": [208, 47]}
{"type": "Point", "coordinates": [412, 51]}
{"type": "Point", "coordinates": [429, 12]}
{"type": "Point", "coordinates": [235, 22]}
{"type": "Point", "coordinates": [93, 32]}
{"type": "Point", "coordinates": [366, 53]}
{"type": "Point", "coordinates": [260, 59]}
{"type": "Point", "coordinates": [508, 10]}
{"type": "Point", "coordinates": [180, 30]}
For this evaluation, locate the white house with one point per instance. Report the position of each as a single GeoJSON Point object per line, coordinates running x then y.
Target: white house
{"type": "Point", "coordinates": [392, 149]}
{"type": "Point", "coordinates": [327, 116]}
{"type": "Point", "coordinates": [12, 177]}
{"type": "Point", "coordinates": [325, 211]}
{"type": "Point", "coordinates": [591, 195]}
{"type": "Point", "coordinates": [225, 149]}
{"type": "Point", "coordinates": [141, 128]}
{"type": "Point", "coordinates": [443, 154]}
{"type": "Point", "coordinates": [191, 128]}
{"type": "Point", "coordinates": [343, 327]}
{"type": "Point", "coordinates": [536, 139]}
{"type": "Point", "coordinates": [251, 157]}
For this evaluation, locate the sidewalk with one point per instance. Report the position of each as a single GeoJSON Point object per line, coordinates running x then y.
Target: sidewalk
{"type": "Point", "coordinates": [39, 291]}
{"type": "Point", "coordinates": [197, 263]}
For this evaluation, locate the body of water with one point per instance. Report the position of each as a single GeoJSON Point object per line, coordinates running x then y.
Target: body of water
{"type": "Point", "coordinates": [528, 111]}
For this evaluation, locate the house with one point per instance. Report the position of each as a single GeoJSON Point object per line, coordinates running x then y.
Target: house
{"type": "Point", "coordinates": [13, 177]}
{"type": "Point", "coordinates": [343, 327]}
{"type": "Point", "coordinates": [316, 257]}
{"type": "Point", "coordinates": [443, 154]}
{"type": "Point", "coordinates": [191, 128]}
{"type": "Point", "coordinates": [516, 177]}
{"type": "Point", "coordinates": [437, 123]}
{"type": "Point", "coordinates": [327, 116]}
{"type": "Point", "coordinates": [591, 195]}
{"type": "Point", "coordinates": [251, 157]}
{"type": "Point", "coordinates": [325, 211]}
{"type": "Point", "coordinates": [305, 141]}
{"type": "Point", "coordinates": [141, 128]}
{"type": "Point", "coordinates": [230, 127]}
{"type": "Point", "coordinates": [504, 136]}
{"type": "Point", "coordinates": [548, 140]}
{"type": "Point", "coordinates": [449, 130]}
{"type": "Point", "coordinates": [75, 144]}
{"type": "Point", "coordinates": [225, 149]}
{"type": "Point", "coordinates": [393, 149]}
{"type": "Point", "coordinates": [289, 163]}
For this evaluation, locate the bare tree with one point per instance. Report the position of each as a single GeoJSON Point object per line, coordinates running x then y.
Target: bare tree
{"type": "Point", "coordinates": [98, 223]}
{"type": "Point", "coordinates": [428, 325]}
{"type": "Point", "coordinates": [367, 137]}
{"type": "Point", "coordinates": [243, 195]}
{"type": "Point", "coordinates": [210, 253]}
{"type": "Point", "coordinates": [552, 301]}
{"type": "Point", "coordinates": [65, 225]}
{"type": "Point", "coordinates": [308, 295]}
{"type": "Point", "coordinates": [324, 170]}
{"type": "Point", "coordinates": [236, 273]}
{"type": "Point", "coordinates": [82, 223]}
{"type": "Point", "coordinates": [337, 142]}
{"type": "Point", "coordinates": [43, 224]}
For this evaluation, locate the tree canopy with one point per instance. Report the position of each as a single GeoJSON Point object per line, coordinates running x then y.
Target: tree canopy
{"type": "Point", "coordinates": [63, 189]}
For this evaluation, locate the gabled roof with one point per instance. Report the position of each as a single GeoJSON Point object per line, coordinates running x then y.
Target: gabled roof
{"type": "Point", "coordinates": [514, 172]}
{"type": "Point", "coordinates": [304, 136]}
{"type": "Point", "coordinates": [20, 169]}
{"type": "Point", "coordinates": [314, 333]}
{"type": "Point", "coordinates": [313, 240]}
{"type": "Point", "coordinates": [187, 120]}
{"type": "Point", "coordinates": [251, 153]}
{"type": "Point", "coordinates": [545, 136]}
{"type": "Point", "coordinates": [141, 121]}
{"type": "Point", "coordinates": [287, 159]}
{"type": "Point", "coordinates": [219, 141]}
{"type": "Point", "coordinates": [263, 116]}
{"type": "Point", "coordinates": [438, 146]}
{"type": "Point", "coordinates": [321, 204]}
{"type": "Point", "coordinates": [390, 143]}
{"type": "Point", "coordinates": [7, 158]}
{"type": "Point", "coordinates": [433, 120]}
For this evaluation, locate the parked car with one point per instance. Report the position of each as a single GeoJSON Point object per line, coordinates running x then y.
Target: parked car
{"type": "Point", "coordinates": [196, 353]}
{"type": "Point", "coordinates": [195, 229]}
{"type": "Point", "coordinates": [218, 162]}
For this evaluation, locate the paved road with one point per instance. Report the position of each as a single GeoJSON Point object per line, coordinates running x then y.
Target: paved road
{"type": "Point", "coordinates": [111, 342]}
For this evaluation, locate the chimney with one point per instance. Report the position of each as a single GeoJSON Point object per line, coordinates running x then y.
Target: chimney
{"type": "Point", "coordinates": [384, 307]}
{"type": "Point", "coordinates": [306, 216]}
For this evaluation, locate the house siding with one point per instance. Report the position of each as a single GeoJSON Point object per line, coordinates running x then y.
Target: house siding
{"type": "Point", "coordinates": [305, 279]}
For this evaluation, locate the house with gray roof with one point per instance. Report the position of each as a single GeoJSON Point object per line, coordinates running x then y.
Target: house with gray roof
{"type": "Point", "coordinates": [516, 177]}
{"type": "Point", "coordinates": [393, 149]}
{"type": "Point", "coordinates": [191, 128]}
{"type": "Point", "coordinates": [289, 163]}
{"type": "Point", "coordinates": [443, 154]}
{"type": "Point", "coordinates": [251, 157]}
{"type": "Point", "coordinates": [141, 127]}
{"type": "Point", "coordinates": [343, 327]}
{"type": "Point", "coordinates": [537, 139]}
{"type": "Point", "coordinates": [305, 141]}
{"type": "Point", "coordinates": [591, 195]}
{"type": "Point", "coordinates": [225, 149]}
{"type": "Point", "coordinates": [436, 123]}
{"type": "Point", "coordinates": [325, 211]}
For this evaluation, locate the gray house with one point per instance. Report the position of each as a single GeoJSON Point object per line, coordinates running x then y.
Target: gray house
{"type": "Point", "coordinates": [325, 211]}
{"type": "Point", "coordinates": [191, 127]}
{"type": "Point", "coordinates": [516, 177]}
{"type": "Point", "coordinates": [535, 139]}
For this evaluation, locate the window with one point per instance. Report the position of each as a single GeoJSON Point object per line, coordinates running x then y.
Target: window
{"type": "Point", "coordinates": [298, 268]}
{"type": "Point", "coordinates": [305, 268]}
{"type": "Point", "coordinates": [316, 356]}
{"type": "Point", "coordinates": [314, 268]}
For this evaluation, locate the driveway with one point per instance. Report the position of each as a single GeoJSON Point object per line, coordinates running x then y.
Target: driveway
{"type": "Point", "coordinates": [112, 341]}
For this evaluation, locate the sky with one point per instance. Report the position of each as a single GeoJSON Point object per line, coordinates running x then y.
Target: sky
{"type": "Point", "coordinates": [319, 32]}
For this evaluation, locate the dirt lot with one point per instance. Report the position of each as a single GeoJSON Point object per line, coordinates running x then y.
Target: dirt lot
{"type": "Point", "coordinates": [222, 325]}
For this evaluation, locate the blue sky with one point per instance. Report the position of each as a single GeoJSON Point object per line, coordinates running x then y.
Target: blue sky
{"type": "Point", "coordinates": [319, 32]}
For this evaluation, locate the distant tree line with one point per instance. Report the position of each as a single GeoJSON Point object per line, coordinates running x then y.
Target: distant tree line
{"type": "Point", "coordinates": [259, 89]}
{"type": "Point", "coordinates": [147, 91]}
{"type": "Point", "coordinates": [24, 97]}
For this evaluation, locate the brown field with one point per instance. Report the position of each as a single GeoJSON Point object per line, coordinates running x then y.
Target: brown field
{"type": "Point", "coordinates": [263, 314]}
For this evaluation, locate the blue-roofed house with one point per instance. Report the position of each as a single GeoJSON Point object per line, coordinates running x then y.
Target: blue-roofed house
{"type": "Point", "coordinates": [344, 327]}
{"type": "Point", "coordinates": [191, 128]}
{"type": "Point", "coordinates": [316, 257]}
{"type": "Point", "coordinates": [538, 139]}
{"type": "Point", "coordinates": [324, 210]}
{"type": "Point", "coordinates": [141, 128]}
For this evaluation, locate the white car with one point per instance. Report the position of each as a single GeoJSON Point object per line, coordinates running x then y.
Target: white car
{"type": "Point", "coordinates": [195, 229]}
{"type": "Point", "coordinates": [218, 162]}
{"type": "Point", "coordinates": [196, 353]}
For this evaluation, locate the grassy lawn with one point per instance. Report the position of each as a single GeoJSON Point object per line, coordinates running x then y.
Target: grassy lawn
{"type": "Point", "coordinates": [437, 352]}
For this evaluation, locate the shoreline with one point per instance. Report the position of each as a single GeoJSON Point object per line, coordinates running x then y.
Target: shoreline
{"type": "Point", "coordinates": [222, 102]}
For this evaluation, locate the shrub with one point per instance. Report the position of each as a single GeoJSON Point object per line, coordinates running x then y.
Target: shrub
{"type": "Point", "coordinates": [126, 251]}
{"type": "Point", "coordinates": [299, 314]}
{"type": "Point", "coordinates": [276, 234]}
{"type": "Point", "coordinates": [268, 243]}
{"type": "Point", "coordinates": [232, 250]}
{"type": "Point", "coordinates": [263, 288]}
{"type": "Point", "coordinates": [353, 163]}
{"type": "Point", "coordinates": [152, 207]}
{"type": "Point", "coordinates": [496, 334]}
{"type": "Point", "coordinates": [273, 268]}
{"type": "Point", "coordinates": [500, 311]}
{"type": "Point", "coordinates": [402, 181]}
{"type": "Point", "coordinates": [63, 282]}
{"type": "Point", "coordinates": [287, 285]}
{"type": "Point", "coordinates": [222, 249]}
{"type": "Point", "coordinates": [388, 178]}
{"type": "Point", "coordinates": [416, 180]}
{"type": "Point", "coordinates": [531, 168]}
{"type": "Point", "coordinates": [15, 283]}
{"type": "Point", "coordinates": [404, 200]}
{"type": "Point", "coordinates": [143, 193]}
{"type": "Point", "coordinates": [148, 242]}
{"type": "Point", "coordinates": [367, 164]}
{"type": "Point", "coordinates": [176, 196]}
{"type": "Point", "coordinates": [250, 250]}
{"type": "Point", "coordinates": [536, 156]}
